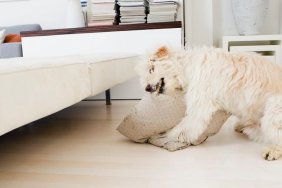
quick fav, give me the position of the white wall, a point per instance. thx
(50, 14)
(208, 20)
(198, 22)
(225, 23)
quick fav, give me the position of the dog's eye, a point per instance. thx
(151, 70)
(151, 65)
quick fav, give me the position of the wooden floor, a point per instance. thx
(79, 147)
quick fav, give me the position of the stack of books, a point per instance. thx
(101, 12)
(130, 11)
(162, 11)
(84, 10)
(83, 3)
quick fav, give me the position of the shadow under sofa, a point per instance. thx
(32, 88)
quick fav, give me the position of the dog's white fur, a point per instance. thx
(244, 85)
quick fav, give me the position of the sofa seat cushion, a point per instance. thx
(154, 114)
(34, 88)
(111, 71)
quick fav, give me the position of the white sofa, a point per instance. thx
(32, 88)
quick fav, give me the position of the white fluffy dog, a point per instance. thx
(245, 85)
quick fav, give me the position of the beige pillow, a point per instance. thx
(2, 36)
(157, 114)
(154, 114)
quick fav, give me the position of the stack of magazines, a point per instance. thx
(130, 12)
(162, 11)
(101, 12)
(83, 3)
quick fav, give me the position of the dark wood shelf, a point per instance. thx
(104, 28)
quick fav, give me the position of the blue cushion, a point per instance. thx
(16, 29)
(9, 50)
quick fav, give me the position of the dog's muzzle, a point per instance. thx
(159, 87)
(149, 88)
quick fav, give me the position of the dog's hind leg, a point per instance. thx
(248, 128)
(271, 128)
(190, 131)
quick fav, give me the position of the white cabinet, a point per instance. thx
(267, 45)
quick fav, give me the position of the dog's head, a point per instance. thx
(160, 74)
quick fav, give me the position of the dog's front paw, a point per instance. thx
(272, 153)
(175, 145)
(200, 140)
(168, 143)
(158, 140)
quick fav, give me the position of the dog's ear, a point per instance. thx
(161, 53)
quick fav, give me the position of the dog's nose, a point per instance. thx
(149, 88)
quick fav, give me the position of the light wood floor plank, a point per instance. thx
(80, 147)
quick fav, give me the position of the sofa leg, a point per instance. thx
(108, 97)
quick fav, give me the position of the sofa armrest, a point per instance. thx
(9, 50)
